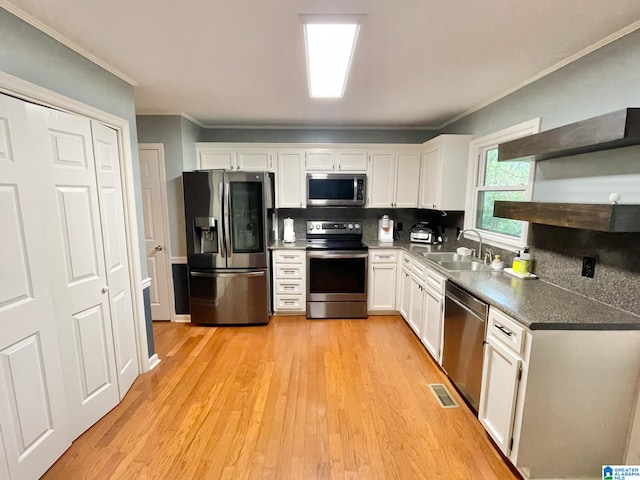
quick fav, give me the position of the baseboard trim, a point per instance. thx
(182, 318)
(154, 361)
(382, 312)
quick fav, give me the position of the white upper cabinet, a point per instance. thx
(407, 180)
(291, 191)
(336, 160)
(210, 158)
(320, 159)
(248, 159)
(443, 179)
(393, 179)
(351, 160)
(255, 160)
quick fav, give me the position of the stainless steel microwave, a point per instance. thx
(336, 189)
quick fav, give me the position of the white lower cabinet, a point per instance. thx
(289, 285)
(432, 329)
(417, 306)
(413, 293)
(383, 273)
(499, 390)
(559, 403)
(405, 294)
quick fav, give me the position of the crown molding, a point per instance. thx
(65, 41)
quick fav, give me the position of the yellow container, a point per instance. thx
(522, 267)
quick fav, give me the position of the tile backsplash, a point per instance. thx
(369, 217)
(557, 255)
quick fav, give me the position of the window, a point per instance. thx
(491, 180)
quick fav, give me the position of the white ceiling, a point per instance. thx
(418, 63)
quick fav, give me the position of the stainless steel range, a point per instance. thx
(336, 270)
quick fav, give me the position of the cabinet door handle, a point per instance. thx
(508, 333)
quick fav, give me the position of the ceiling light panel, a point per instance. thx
(330, 43)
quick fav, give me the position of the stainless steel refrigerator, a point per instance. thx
(228, 218)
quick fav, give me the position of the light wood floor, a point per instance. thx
(297, 399)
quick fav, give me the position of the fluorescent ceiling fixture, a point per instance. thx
(330, 43)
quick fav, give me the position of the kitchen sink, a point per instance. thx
(468, 265)
(445, 256)
(455, 262)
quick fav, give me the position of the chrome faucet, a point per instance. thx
(479, 238)
(488, 256)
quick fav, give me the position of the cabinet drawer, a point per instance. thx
(406, 262)
(506, 330)
(289, 286)
(419, 270)
(435, 281)
(289, 256)
(290, 302)
(288, 271)
(383, 256)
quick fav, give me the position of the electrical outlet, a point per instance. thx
(588, 267)
(399, 227)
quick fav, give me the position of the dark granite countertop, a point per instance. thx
(535, 303)
(297, 245)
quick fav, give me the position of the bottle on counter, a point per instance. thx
(524, 262)
(497, 263)
(516, 263)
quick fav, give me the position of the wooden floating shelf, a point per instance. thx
(587, 216)
(613, 130)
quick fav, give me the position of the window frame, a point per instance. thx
(475, 183)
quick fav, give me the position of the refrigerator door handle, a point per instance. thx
(227, 275)
(221, 234)
(227, 217)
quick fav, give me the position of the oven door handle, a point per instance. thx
(336, 255)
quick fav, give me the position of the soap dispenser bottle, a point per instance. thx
(497, 263)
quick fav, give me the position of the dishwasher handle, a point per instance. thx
(465, 299)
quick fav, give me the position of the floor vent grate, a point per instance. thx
(443, 396)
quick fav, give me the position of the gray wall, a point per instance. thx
(310, 135)
(191, 133)
(603, 81)
(167, 130)
(29, 54)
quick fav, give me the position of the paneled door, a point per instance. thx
(70, 214)
(107, 157)
(155, 229)
(33, 415)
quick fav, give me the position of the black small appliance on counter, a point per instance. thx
(424, 232)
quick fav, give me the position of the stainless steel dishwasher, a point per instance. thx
(465, 319)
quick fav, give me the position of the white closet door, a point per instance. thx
(33, 416)
(71, 216)
(107, 156)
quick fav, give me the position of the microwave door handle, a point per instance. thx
(227, 216)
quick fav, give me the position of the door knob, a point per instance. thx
(158, 248)
(104, 289)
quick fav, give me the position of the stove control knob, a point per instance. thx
(318, 226)
(350, 226)
(357, 226)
